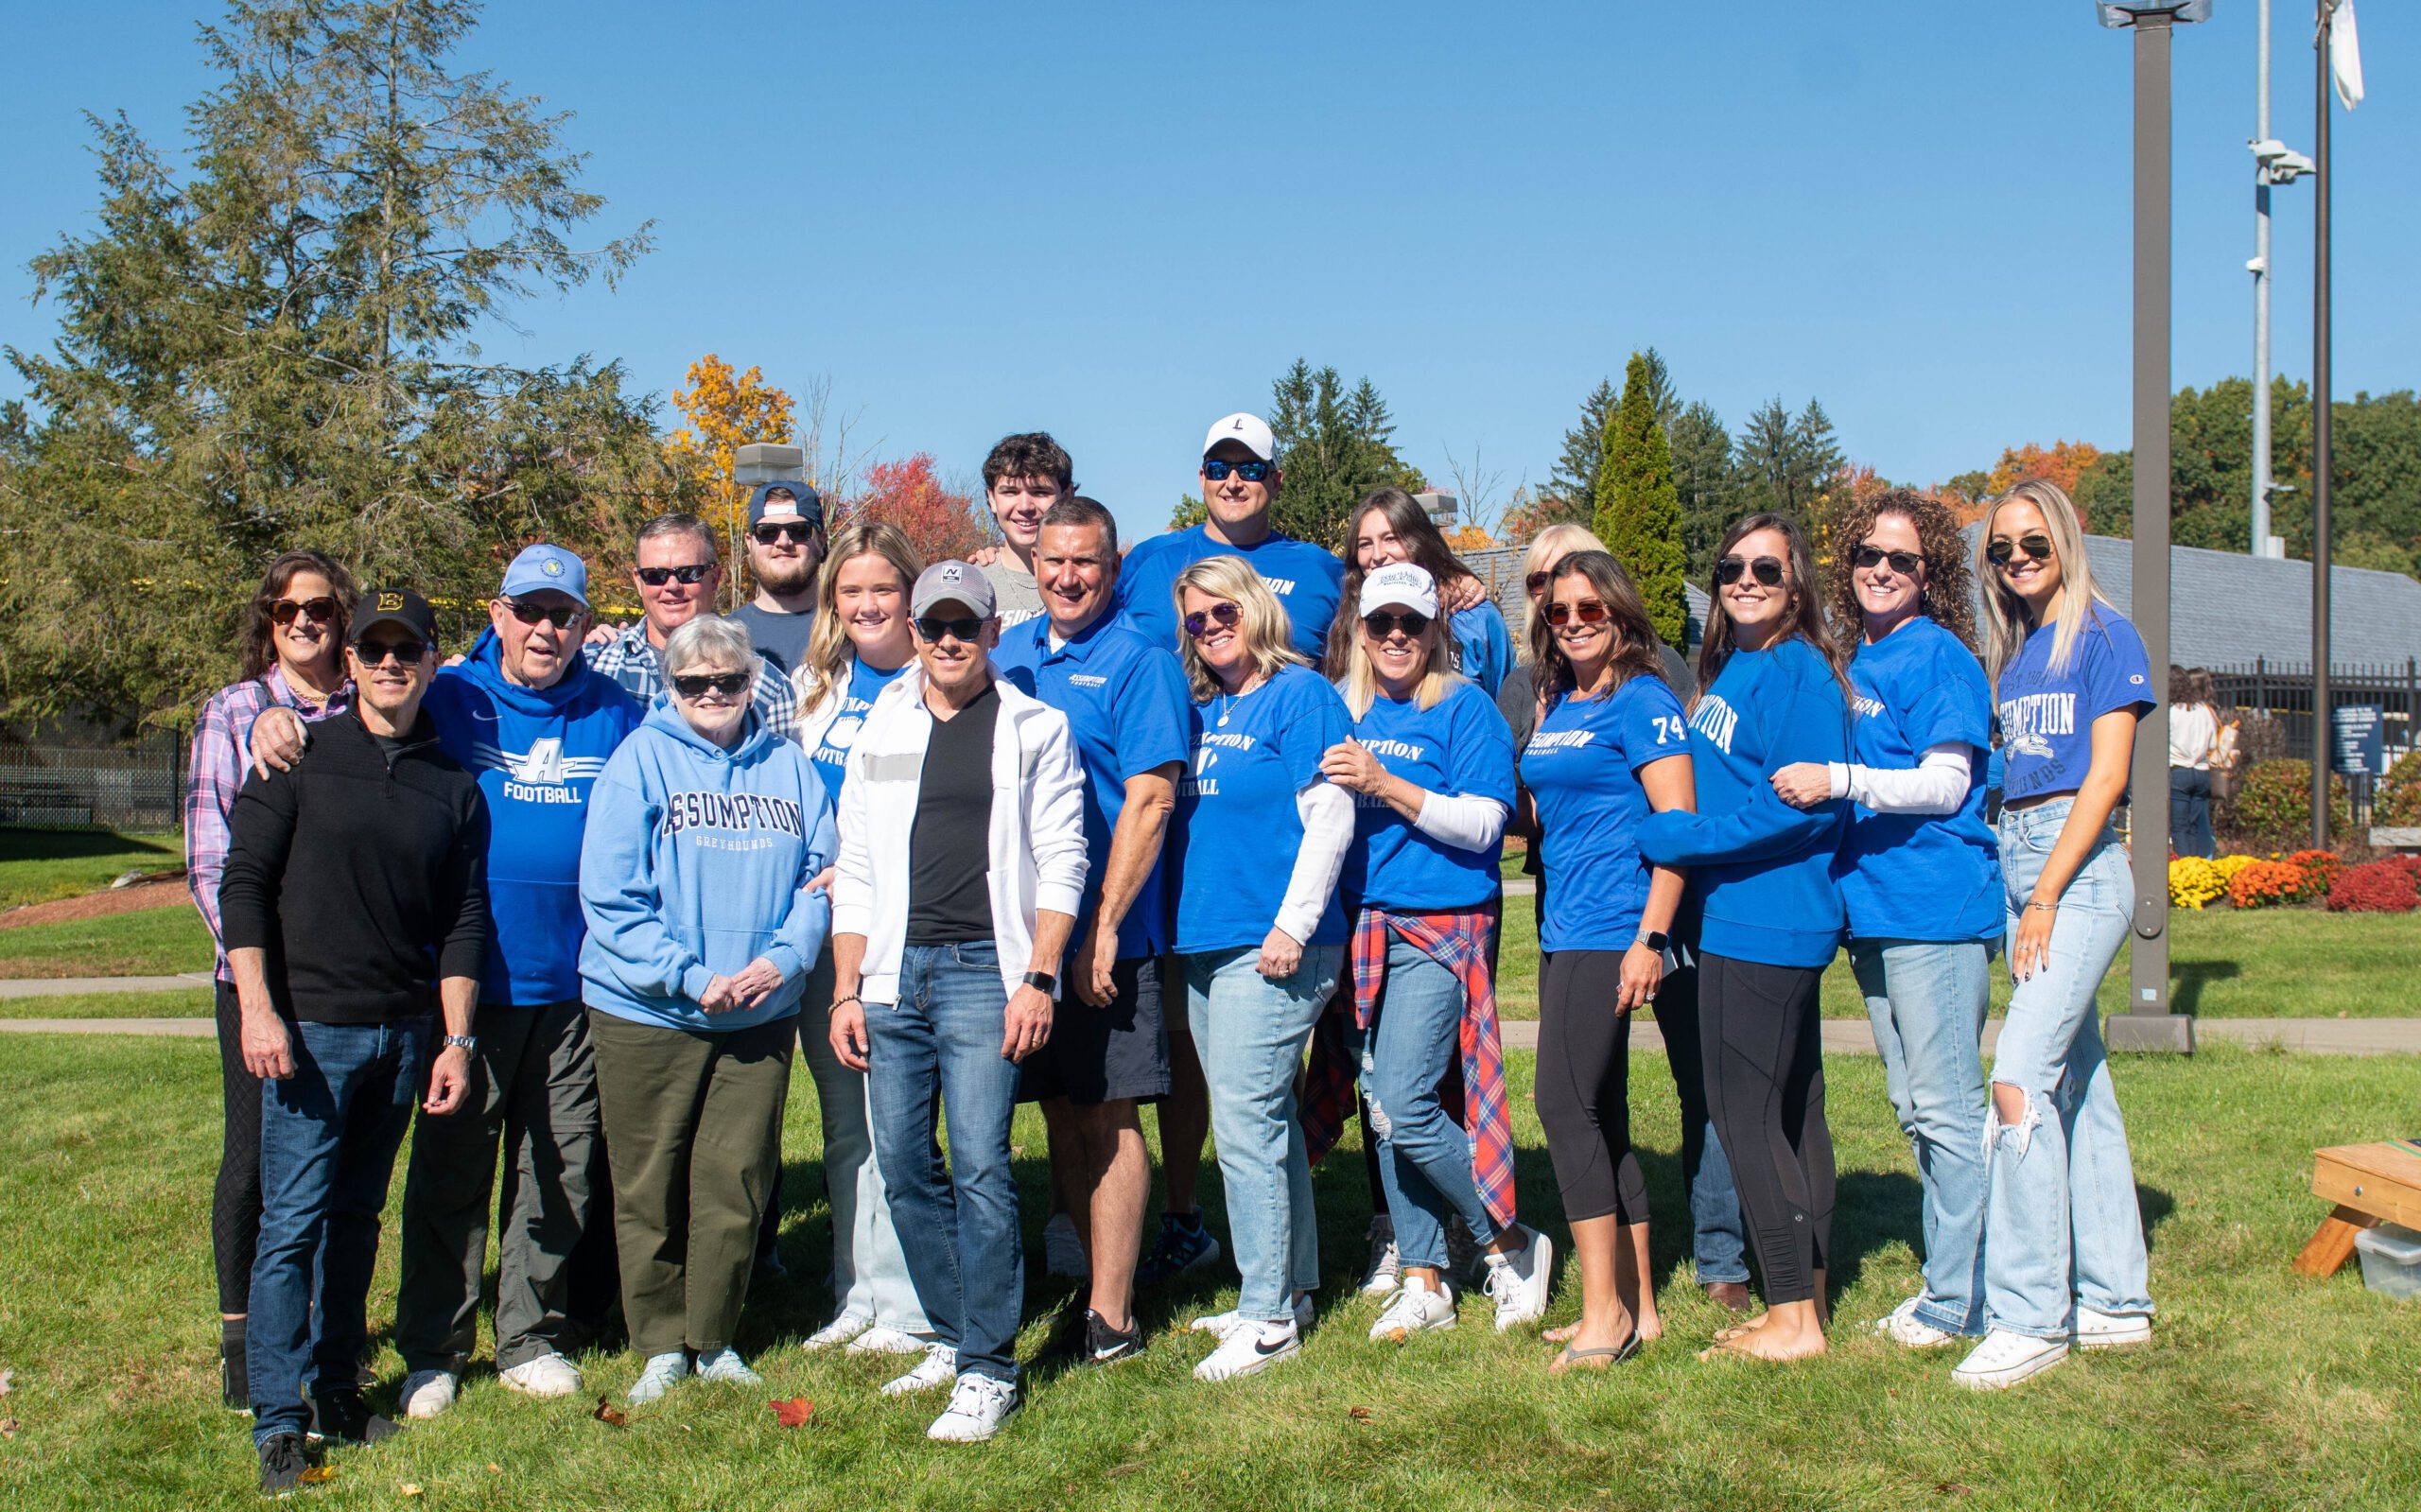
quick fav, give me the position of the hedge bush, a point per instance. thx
(2398, 798)
(2272, 808)
(2391, 886)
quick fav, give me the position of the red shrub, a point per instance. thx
(2392, 886)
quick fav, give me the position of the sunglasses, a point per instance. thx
(1536, 584)
(694, 685)
(1999, 552)
(796, 531)
(1226, 616)
(1903, 563)
(1382, 624)
(1216, 470)
(1768, 570)
(531, 613)
(318, 611)
(1588, 611)
(658, 577)
(373, 652)
(933, 628)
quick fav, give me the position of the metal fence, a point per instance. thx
(2284, 691)
(61, 787)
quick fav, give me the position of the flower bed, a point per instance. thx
(2390, 886)
(2303, 877)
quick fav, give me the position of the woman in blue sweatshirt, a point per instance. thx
(706, 835)
(1769, 916)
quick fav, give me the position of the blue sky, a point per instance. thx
(1119, 221)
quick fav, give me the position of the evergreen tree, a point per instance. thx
(1333, 447)
(1638, 510)
(1702, 476)
(1574, 478)
(1784, 462)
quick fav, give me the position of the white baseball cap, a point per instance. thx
(1400, 583)
(1250, 430)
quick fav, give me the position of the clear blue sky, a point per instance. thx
(1119, 221)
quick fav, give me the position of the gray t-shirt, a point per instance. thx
(1013, 591)
(780, 638)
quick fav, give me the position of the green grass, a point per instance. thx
(2261, 1390)
(37, 865)
(195, 1004)
(147, 942)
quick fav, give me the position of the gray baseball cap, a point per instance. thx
(953, 582)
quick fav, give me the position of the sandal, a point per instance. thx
(1614, 1356)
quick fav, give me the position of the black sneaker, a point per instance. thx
(282, 1462)
(344, 1417)
(1183, 1245)
(1103, 1344)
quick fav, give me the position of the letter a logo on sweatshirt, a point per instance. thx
(545, 762)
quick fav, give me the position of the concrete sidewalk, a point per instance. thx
(82, 987)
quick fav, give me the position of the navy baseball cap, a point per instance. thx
(544, 567)
(805, 503)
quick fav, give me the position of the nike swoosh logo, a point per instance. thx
(1264, 1348)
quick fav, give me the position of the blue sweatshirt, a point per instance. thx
(1761, 870)
(697, 864)
(537, 753)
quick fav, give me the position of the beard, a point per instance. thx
(787, 576)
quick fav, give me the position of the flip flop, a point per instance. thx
(1614, 1356)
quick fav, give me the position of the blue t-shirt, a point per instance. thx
(1306, 581)
(2047, 718)
(1920, 877)
(1127, 705)
(1582, 768)
(1237, 830)
(1460, 747)
(831, 754)
(1484, 648)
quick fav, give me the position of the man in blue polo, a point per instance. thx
(1125, 702)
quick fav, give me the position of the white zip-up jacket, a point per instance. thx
(1035, 844)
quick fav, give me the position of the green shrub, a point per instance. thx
(2398, 798)
(2272, 809)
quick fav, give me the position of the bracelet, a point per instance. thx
(838, 1001)
(2048, 908)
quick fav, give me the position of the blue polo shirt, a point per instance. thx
(1460, 747)
(1127, 705)
(1306, 581)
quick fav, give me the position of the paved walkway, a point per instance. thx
(82, 987)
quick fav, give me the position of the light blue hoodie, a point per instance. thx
(697, 863)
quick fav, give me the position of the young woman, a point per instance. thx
(1919, 871)
(2070, 678)
(1388, 527)
(1431, 764)
(2193, 750)
(293, 657)
(1258, 944)
(859, 645)
(1769, 914)
(1613, 748)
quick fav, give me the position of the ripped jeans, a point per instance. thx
(2062, 1221)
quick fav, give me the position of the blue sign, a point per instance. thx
(2356, 744)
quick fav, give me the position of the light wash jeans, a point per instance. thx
(1424, 1156)
(1926, 1000)
(1251, 1033)
(869, 1271)
(2063, 1222)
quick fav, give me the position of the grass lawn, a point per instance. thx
(37, 865)
(2261, 1389)
(195, 1004)
(149, 942)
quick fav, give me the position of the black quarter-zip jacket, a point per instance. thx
(362, 874)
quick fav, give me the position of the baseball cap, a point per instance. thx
(1250, 430)
(542, 566)
(805, 503)
(394, 606)
(953, 582)
(1400, 583)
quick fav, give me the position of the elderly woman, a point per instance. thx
(706, 835)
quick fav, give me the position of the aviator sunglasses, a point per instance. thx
(1216, 470)
(1223, 614)
(1903, 563)
(1588, 611)
(1768, 570)
(1999, 552)
(694, 685)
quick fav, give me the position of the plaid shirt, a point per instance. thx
(628, 659)
(219, 764)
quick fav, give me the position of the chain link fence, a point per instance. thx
(64, 787)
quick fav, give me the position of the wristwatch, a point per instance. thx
(460, 1042)
(1655, 938)
(1041, 982)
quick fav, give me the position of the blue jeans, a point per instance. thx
(869, 1269)
(936, 1049)
(329, 1135)
(1424, 1156)
(2063, 1219)
(1719, 1235)
(1251, 1033)
(2189, 812)
(1926, 1000)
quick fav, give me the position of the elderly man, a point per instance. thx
(785, 552)
(677, 574)
(961, 872)
(353, 903)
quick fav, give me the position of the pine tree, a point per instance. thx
(1638, 509)
(1333, 447)
(1702, 475)
(1574, 479)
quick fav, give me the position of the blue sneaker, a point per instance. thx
(1183, 1245)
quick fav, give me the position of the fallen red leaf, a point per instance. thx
(7, 1428)
(794, 1412)
(611, 1416)
(1360, 1415)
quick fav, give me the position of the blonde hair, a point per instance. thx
(2006, 623)
(1262, 623)
(1551, 545)
(828, 649)
(1436, 670)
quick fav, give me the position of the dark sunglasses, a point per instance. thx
(933, 628)
(407, 652)
(1768, 570)
(1217, 470)
(1536, 584)
(1590, 611)
(1903, 563)
(798, 532)
(1999, 552)
(658, 577)
(1224, 615)
(529, 614)
(318, 611)
(1381, 624)
(694, 685)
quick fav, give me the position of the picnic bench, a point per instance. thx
(2367, 1184)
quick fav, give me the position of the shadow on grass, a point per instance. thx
(2192, 976)
(71, 845)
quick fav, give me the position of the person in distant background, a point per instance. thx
(2193, 742)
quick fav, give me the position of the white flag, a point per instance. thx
(2345, 56)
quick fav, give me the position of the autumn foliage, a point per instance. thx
(939, 523)
(725, 411)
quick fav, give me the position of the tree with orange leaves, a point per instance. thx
(2064, 463)
(939, 523)
(725, 411)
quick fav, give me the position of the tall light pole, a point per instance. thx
(2151, 1022)
(2323, 744)
(2273, 164)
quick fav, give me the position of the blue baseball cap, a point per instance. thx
(547, 567)
(804, 503)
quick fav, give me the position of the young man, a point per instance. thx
(961, 872)
(1025, 474)
(785, 550)
(1126, 701)
(677, 574)
(354, 902)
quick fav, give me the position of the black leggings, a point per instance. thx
(235, 1201)
(1584, 1085)
(1763, 1039)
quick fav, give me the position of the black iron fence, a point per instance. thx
(2284, 691)
(65, 787)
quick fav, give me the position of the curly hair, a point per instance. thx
(1949, 593)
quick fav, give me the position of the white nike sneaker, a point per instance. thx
(884, 1339)
(1902, 1325)
(662, 1373)
(840, 1330)
(1385, 1272)
(1251, 1349)
(549, 1375)
(1222, 1324)
(426, 1393)
(938, 1368)
(1415, 1307)
(1518, 1281)
(978, 1406)
(2004, 1359)
(2110, 1330)
(1063, 1253)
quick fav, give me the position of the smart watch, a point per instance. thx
(1655, 938)
(1041, 982)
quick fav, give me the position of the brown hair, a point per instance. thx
(1637, 651)
(1805, 615)
(1426, 547)
(260, 649)
(1947, 599)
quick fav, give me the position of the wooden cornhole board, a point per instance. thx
(2369, 1184)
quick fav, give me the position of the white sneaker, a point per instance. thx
(2004, 1359)
(884, 1339)
(726, 1365)
(1902, 1325)
(2110, 1330)
(1063, 1253)
(938, 1368)
(840, 1330)
(1251, 1349)
(1518, 1281)
(1414, 1308)
(549, 1375)
(662, 1373)
(1224, 1323)
(978, 1406)
(426, 1393)
(1385, 1272)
